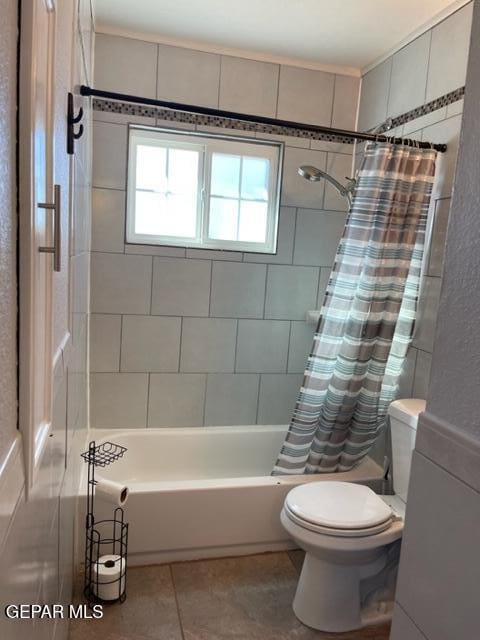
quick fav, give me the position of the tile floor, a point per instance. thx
(246, 598)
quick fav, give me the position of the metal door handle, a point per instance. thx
(57, 233)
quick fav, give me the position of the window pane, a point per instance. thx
(160, 215)
(253, 221)
(151, 168)
(255, 178)
(183, 171)
(222, 224)
(182, 216)
(149, 209)
(225, 175)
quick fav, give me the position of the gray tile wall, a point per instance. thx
(191, 337)
(426, 68)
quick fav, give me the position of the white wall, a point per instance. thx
(425, 69)
(437, 595)
(37, 535)
(8, 222)
(227, 344)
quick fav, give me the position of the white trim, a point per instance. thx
(426, 26)
(248, 54)
(205, 145)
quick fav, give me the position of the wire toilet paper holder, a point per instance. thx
(104, 537)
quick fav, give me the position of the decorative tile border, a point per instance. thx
(428, 107)
(170, 115)
(127, 108)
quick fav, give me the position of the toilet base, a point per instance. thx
(329, 594)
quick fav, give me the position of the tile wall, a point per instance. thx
(427, 68)
(192, 337)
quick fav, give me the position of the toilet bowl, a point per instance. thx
(351, 537)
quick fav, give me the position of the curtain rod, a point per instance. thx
(220, 113)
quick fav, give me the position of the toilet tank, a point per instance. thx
(403, 426)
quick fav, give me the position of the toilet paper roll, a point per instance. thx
(111, 491)
(106, 577)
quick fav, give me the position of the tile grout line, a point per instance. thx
(157, 73)
(410, 618)
(147, 413)
(263, 264)
(236, 347)
(332, 110)
(318, 302)
(257, 412)
(429, 59)
(414, 373)
(265, 289)
(175, 595)
(120, 346)
(151, 285)
(294, 239)
(210, 289)
(180, 345)
(430, 353)
(233, 318)
(289, 344)
(219, 80)
(206, 376)
(279, 66)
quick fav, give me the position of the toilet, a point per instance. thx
(351, 537)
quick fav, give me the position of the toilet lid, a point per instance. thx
(339, 505)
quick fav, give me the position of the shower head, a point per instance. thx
(313, 174)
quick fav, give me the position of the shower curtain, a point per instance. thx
(368, 315)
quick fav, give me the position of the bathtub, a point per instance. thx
(206, 491)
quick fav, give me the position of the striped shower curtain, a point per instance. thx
(368, 315)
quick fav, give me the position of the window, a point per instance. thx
(204, 191)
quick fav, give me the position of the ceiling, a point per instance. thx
(345, 35)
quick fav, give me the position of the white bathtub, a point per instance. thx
(206, 491)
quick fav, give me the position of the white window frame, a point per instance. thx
(207, 145)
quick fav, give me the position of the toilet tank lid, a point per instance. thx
(407, 410)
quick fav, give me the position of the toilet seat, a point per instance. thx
(342, 533)
(338, 509)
